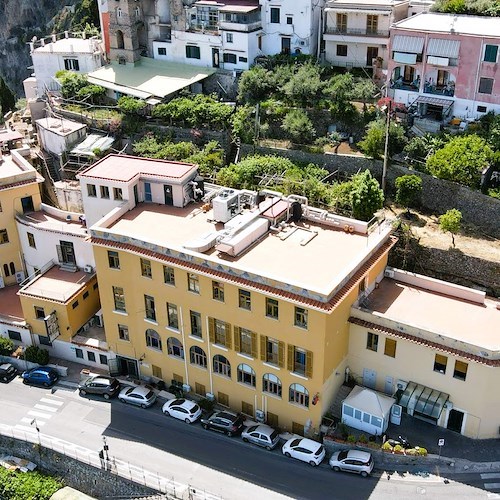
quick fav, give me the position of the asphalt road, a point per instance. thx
(147, 438)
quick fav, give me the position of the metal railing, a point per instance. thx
(137, 474)
(356, 32)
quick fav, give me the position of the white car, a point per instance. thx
(304, 449)
(140, 396)
(261, 435)
(360, 462)
(182, 409)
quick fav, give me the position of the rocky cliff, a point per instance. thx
(20, 21)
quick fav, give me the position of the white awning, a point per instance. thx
(403, 43)
(435, 101)
(438, 61)
(122, 89)
(443, 48)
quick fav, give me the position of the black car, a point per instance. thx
(224, 421)
(100, 384)
(7, 372)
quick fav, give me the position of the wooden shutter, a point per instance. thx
(228, 335)
(255, 351)
(263, 341)
(211, 330)
(281, 354)
(309, 364)
(291, 352)
(237, 344)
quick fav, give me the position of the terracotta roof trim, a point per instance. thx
(417, 340)
(20, 183)
(311, 303)
(47, 230)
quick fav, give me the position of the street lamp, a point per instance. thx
(105, 448)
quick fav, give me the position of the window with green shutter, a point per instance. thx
(490, 53)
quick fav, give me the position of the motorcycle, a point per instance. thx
(401, 441)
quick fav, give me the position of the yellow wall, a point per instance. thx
(477, 396)
(10, 201)
(70, 320)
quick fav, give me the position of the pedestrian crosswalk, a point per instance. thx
(41, 413)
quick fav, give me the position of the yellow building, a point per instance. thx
(227, 295)
(19, 193)
(436, 345)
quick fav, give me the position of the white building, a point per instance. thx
(52, 55)
(57, 135)
(357, 32)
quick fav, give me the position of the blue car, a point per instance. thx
(41, 376)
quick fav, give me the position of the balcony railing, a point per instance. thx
(428, 89)
(356, 32)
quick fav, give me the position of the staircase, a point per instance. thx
(417, 131)
(336, 408)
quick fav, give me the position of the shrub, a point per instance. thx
(408, 189)
(27, 485)
(398, 448)
(351, 438)
(387, 446)
(130, 105)
(343, 430)
(298, 126)
(6, 346)
(206, 404)
(451, 222)
(366, 196)
(363, 439)
(37, 355)
(422, 452)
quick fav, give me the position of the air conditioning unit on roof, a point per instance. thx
(401, 385)
(389, 273)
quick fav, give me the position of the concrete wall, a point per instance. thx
(438, 195)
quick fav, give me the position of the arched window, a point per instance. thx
(120, 44)
(12, 268)
(174, 347)
(299, 395)
(271, 384)
(246, 374)
(6, 270)
(137, 12)
(118, 12)
(222, 365)
(153, 339)
(197, 356)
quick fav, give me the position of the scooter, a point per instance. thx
(401, 441)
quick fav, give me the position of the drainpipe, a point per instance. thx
(476, 82)
(209, 360)
(183, 345)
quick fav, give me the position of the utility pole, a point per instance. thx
(386, 146)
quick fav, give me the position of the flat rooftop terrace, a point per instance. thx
(45, 221)
(56, 285)
(10, 304)
(306, 255)
(457, 319)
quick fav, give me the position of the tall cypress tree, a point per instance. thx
(7, 98)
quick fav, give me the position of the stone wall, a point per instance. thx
(438, 195)
(95, 482)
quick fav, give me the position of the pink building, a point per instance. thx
(443, 66)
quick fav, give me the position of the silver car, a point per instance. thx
(359, 462)
(261, 435)
(139, 396)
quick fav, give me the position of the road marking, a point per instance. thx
(492, 486)
(40, 414)
(492, 495)
(45, 408)
(51, 401)
(27, 420)
(490, 475)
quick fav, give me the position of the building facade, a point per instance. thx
(356, 34)
(190, 294)
(443, 66)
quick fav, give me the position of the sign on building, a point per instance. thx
(52, 326)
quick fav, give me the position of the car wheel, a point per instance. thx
(25, 381)
(205, 426)
(82, 392)
(187, 420)
(364, 474)
(335, 468)
(229, 434)
(313, 463)
(245, 439)
(268, 448)
(46, 384)
(122, 400)
(167, 413)
(143, 405)
(106, 396)
(5, 379)
(288, 455)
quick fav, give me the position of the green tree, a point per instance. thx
(366, 196)
(363, 91)
(71, 83)
(298, 126)
(373, 144)
(408, 190)
(461, 160)
(6, 346)
(131, 105)
(470, 7)
(255, 85)
(7, 98)
(304, 86)
(450, 222)
(93, 93)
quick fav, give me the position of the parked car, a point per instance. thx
(224, 421)
(304, 449)
(360, 462)
(183, 409)
(139, 396)
(41, 376)
(99, 384)
(261, 435)
(7, 372)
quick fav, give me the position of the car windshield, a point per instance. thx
(295, 443)
(342, 455)
(251, 429)
(150, 394)
(320, 451)
(178, 402)
(274, 435)
(129, 390)
(194, 409)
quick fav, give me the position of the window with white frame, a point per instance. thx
(153, 339)
(222, 366)
(175, 347)
(271, 384)
(299, 394)
(246, 374)
(197, 356)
